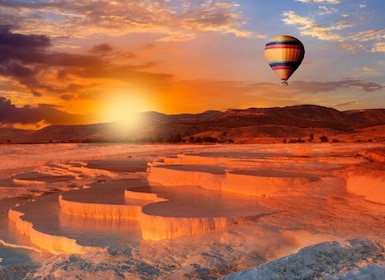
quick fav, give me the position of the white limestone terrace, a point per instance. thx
(51, 229)
(276, 201)
(156, 213)
(185, 195)
(251, 174)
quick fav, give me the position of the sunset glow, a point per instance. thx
(124, 109)
(86, 62)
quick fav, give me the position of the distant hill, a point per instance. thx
(250, 125)
(12, 134)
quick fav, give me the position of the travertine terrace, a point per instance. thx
(190, 194)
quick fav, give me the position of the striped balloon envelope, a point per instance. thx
(284, 54)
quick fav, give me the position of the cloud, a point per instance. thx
(309, 27)
(219, 17)
(352, 47)
(21, 41)
(18, 47)
(318, 87)
(327, 11)
(346, 104)
(369, 40)
(362, 40)
(26, 59)
(174, 20)
(368, 35)
(102, 48)
(43, 113)
(379, 47)
(320, 1)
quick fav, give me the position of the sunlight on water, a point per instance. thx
(99, 232)
(86, 231)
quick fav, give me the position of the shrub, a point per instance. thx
(324, 139)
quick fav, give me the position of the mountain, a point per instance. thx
(8, 134)
(299, 116)
(363, 118)
(234, 125)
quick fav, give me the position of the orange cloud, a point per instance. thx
(173, 20)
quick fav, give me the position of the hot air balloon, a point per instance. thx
(284, 54)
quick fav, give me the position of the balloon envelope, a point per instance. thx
(284, 54)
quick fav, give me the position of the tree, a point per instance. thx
(323, 139)
(311, 137)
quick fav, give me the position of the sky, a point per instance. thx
(84, 61)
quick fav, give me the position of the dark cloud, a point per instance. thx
(106, 50)
(102, 48)
(19, 49)
(366, 86)
(346, 104)
(66, 97)
(18, 52)
(22, 41)
(25, 57)
(13, 68)
(71, 60)
(317, 87)
(10, 114)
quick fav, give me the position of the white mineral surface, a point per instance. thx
(122, 211)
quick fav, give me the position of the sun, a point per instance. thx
(125, 109)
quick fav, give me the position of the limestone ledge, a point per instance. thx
(260, 182)
(153, 227)
(160, 227)
(150, 197)
(255, 185)
(167, 176)
(368, 183)
(52, 243)
(277, 162)
(98, 210)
